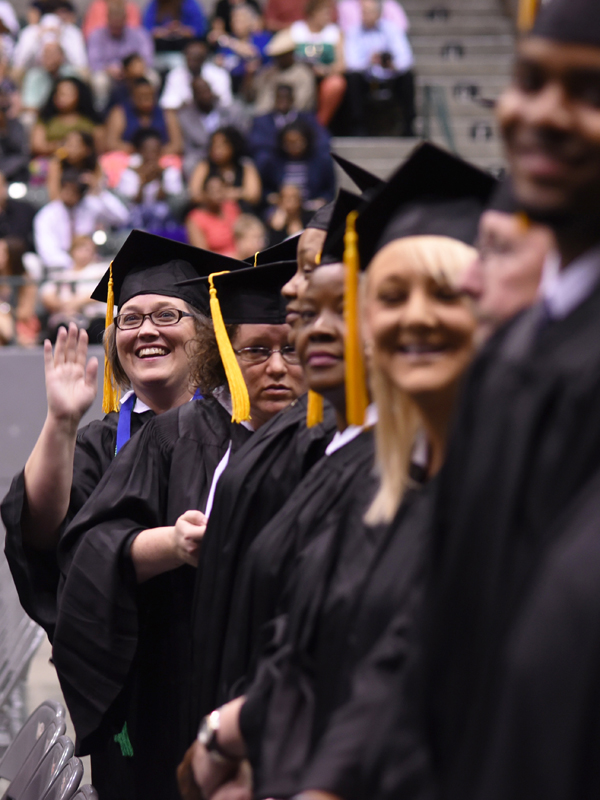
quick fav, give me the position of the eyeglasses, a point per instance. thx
(258, 355)
(161, 318)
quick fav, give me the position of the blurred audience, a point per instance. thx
(18, 320)
(132, 68)
(81, 208)
(211, 226)
(297, 162)
(227, 159)
(201, 118)
(250, 236)
(16, 217)
(173, 24)
(242, 52)
(319, 43)
(67, 298)
(378, 50)
(287, 216)
(280, 14)
(262, 139)
(285, 69)
(140, 112)
(78, 154)
(69, 108)
(178, 85)
(39, 80)
(14, 145)
(221, 21)
(148, 186)
(50, 28)
(96, 16)
(349, 14)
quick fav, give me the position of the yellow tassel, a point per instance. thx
(356, 384)
(314, 411)
(524, 222)
(256, 257)
(527, 14)
(240, 400)
(110, 395)
(318, 258)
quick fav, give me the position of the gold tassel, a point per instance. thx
(526, 15)
(110, 395)
(256, 257)
(314, 411)
(523, 221)
(318, 258)
(240, 400)
(356, 384)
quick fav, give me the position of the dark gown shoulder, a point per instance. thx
(255, 485)
(36, 572)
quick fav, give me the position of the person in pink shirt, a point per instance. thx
(97, 16)
(211, 227)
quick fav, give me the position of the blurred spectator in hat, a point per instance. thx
(242, 52)
(14, 145)
(78, 153)
(227, 159)
(287, 216)
(69, 108)
(201, 118)
(178, 85)
(262, 139)
(147, 186)
(109, 45)
(221, 21)
(211, 226)
(50, 28)
(96, 16)
(280, 14)
(298, 163)
(142, 111)
(39, 80)
(80, 210)
(16, 217)
(250, 236)
(173, 24)
(378, 49)
(18, 320)
(319, 43)
(349, 14)
(68, 298)
(286, 69)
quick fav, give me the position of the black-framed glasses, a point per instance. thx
(258, 355)
(162, 318)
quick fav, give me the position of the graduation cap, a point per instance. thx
(362, 178)
(321, 219)
(149, 264)
(284, 251)
(246, 296)
(333, 247)
(569, 21)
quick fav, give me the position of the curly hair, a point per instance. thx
(85, 103)
(207, 371)
(235, 139)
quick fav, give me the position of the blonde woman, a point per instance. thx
(306, 720)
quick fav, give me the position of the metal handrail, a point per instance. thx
(435, 104)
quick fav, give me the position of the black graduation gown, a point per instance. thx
(123, 650)
(305, 727)
(256, 483)
(36, 572)
(527, 440)
(546, 737)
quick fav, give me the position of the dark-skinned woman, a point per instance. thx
(122, 641)
(68, 462)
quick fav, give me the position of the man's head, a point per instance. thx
(116, 19)
(72, 189)
(505, 277)
(53, 57)
(148, 144)
(284, 98)
(550, 115)
(370, 12)
(203, 95)
(142, 96)
(134, 67)
(196, 53)
(281, 48)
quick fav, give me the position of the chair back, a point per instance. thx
(51, 764)
(16, 755)
(65, 783)
(34, 759)
(86, 792)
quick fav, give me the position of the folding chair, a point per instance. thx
(52, 763)
(86, 792)
(51, 734)
(64, 784)
(16, 755)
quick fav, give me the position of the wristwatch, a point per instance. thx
(207, 736)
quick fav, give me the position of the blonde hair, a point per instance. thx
(399, 420)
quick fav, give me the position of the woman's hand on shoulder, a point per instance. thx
(188, 533)
(71, 383)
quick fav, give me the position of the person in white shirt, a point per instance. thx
(49, 29)
(79, 211)
(378, 49)
(178, 85)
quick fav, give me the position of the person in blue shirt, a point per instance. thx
(243, 52)
(172, 23)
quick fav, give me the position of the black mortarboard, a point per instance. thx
(569, 21)
(321, 219)
(333, 248)
(284, 251)
(434, 193)
(362, 178)
(149, 264)
(253, 296)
